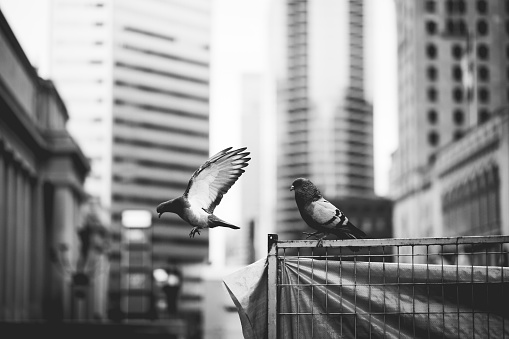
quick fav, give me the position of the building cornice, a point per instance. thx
(60, 143)
(17, 119)
(479, 141)
(11, 38)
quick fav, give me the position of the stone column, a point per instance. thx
(26, 239)
(3, 232)
(10, 224)
(63, 237)
(39, 259)
(504, 175)
(19, 253)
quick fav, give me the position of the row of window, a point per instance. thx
(459, 94)
(458, 116)
(162, 73)
(457, 52)
(459, 119)
(483, 73)
(434, 137)
(458, 27)
(460, 6)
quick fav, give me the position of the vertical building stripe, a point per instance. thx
(3, 232)
(19, 251)
(9, 278)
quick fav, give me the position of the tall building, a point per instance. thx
(80, 64)
(135, 76)
(452, 77)
(326, 122)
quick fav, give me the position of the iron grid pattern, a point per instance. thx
(433, 271)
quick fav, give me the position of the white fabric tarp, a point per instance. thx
(248, 289)
(347, 299)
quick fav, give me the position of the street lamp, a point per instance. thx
(169, 279)
(135, 264)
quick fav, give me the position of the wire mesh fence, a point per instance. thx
(389, 288)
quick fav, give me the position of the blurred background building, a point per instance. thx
(136, 78)
(449, 173)
(51, 262)
(325, 117)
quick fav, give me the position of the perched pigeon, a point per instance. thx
(206, 188)
(321, 215)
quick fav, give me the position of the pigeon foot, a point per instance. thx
(194, 231)
(308, 235)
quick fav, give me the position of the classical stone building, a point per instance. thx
(464, 188)
(449, 172)
(42, 171)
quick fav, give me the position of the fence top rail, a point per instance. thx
(469, 240)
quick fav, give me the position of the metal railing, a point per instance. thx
(429, 287)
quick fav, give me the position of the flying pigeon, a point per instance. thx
(321, 215)
(206, 188)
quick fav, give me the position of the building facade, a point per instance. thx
(450, 83)
(472, 178)
(136, 78)
(326, 121)
(42, 173)
(464, 191)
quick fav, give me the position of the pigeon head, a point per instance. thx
(168, 206)
(305, 190)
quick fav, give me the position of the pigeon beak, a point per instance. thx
(160, 214)
(292, 188)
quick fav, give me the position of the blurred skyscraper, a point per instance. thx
(135, 77)
(326, 122)
(453, 77)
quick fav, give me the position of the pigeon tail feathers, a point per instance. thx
(215, 221)
(355, 232)
(349, 231)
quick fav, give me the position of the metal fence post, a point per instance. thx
(272, 287)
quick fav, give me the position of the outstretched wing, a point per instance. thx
(214, 178)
